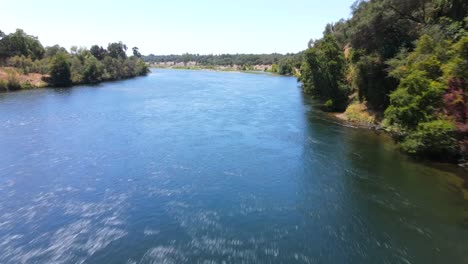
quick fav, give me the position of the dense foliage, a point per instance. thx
(60, 74)
(324, 72)
(64, 68)
(20, 44)
(404, 58)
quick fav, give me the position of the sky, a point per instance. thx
(176, 26)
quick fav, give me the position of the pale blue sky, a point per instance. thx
(176, 26)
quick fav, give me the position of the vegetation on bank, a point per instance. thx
(406, 59)
(22, 55)
(276, 63)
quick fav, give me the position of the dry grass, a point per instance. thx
(31, 80)
(358, 113)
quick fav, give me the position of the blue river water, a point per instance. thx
(213, 167)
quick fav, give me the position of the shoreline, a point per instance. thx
(378, 128)
(33, 81)
(215, 69)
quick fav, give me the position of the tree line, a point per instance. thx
(64, 68)
(282, 64)
(407, 59)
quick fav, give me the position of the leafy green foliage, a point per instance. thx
(92, 70)
(54, 50)
(285, 67)
(98, 52)
(117, 50)
(60, 74)
(429, 106)
(81, 65)
(416, 100)
(372, 82)
(323, 72)
(20, 44)
(136, 52)
(434, 139)
(407, 58)
(274, 67)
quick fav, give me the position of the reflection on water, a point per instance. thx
(195, 167)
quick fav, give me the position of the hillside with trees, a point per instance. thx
(26, 63)
(405, 61)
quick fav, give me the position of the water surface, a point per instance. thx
(210, 167)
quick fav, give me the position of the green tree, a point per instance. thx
(285, 67)
(117, 50)
(98, 52)
(19, 43)
(60, 74)
(274, 68)
(136, 52)
(323, 73)
(92, 70)
(54, 50)
(415, 101)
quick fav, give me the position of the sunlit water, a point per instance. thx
(210, 167)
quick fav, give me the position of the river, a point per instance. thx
(213, 167)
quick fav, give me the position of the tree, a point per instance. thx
(60, 74)
(93, 70)
(415, 101)
(323, 73)
(19, 43)
(285, 67)
(117, 50)
(98, 52)
(136, 53)
(54, 50)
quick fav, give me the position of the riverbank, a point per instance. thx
(12, 79)
(193, 65)
(255, 70)
(359, 115)
(215, 69)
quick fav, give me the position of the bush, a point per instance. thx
(323, 73)
(3, 85)
(274, 68)
(285, 67)
(416, 100)
(60, 71)
(93, 70)
(21, 62)
(13, 82)
(329, 105)
(435, 139)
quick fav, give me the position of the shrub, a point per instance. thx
(274, 68)
(60, 71)
(415, 101)
(3, 85)
(329, 105)
(434, 139)
(13, 82)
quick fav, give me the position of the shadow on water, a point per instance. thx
(396, 206)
